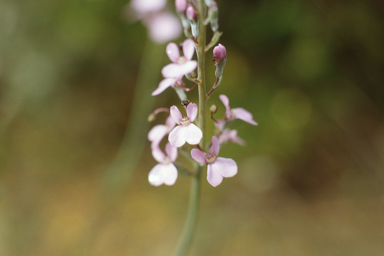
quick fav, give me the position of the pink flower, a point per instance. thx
(145, 7)
(186, 131)
(230, 135)
(218, 167)
(236, 113)
(158, 132)
(181, 64)
(164, 172)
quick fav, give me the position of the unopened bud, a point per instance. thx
(213, 13)
(191, 14)
(208, 2)
(213, 108)
(220, 57)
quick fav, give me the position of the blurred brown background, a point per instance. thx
(310, 178)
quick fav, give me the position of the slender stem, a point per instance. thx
(189, 227)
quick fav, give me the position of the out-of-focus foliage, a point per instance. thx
(310, 178)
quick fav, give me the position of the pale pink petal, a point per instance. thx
(164, 85)
(176, 114)
(169, 173)
(198, 155)
(233, 137)
(244, 115)
(225, 101)
(171, 152)
(188, 48)
(177, 136)
(215, 148)
(214, 178)
(192, 111)
(157, 133)
(163, 27)
(171, 71)
(225, 166)
(170, 123)
(193, 134)
(173, 52)
(154, 176)
(158, 154)
(163, 173)
(187, 67)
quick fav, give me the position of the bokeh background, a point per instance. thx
(310, 178)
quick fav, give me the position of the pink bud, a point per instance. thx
(219, 52)
(191, 14)
(181, 5)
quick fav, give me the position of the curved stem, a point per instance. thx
(189, 227)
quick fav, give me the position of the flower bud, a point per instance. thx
(193, 20)
(181, 5)
(213, 108)
(220, 57)
(213, 13)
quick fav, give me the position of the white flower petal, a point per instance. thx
(171, 71)
(177, 136)
(186, 68)
(154, 176)
(157, 133)
(192, 134)
(169, 174)
(158, 154)
(198, 155)
(225, 166)
(213, 176)
(163, 27)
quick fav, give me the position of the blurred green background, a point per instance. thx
(310, 178)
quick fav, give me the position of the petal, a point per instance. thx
(163, 173)
(158, 154)
(171, 71)
(188, 48)
(154, 176)
(171, 152)
(193, 134)
(233, 137)
(177, 136)
(169, 174)
(187, 67)
(198, 155)
(225, 166)
(244, 115)
(213, 176)
(157, 133)
(225, 101)
(164, 85)
(163, 27)
(173, 52)
(170, 123)
(215, 148)
(192, 111)
(176, 114)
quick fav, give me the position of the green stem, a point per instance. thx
(185, 239)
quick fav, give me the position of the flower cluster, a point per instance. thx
(183, 134)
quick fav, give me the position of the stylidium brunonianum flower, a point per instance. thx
(181, 64)
(236, 113)
(193, 20)
(230, 135)
(164, 172)
(186, 131)
(220, 58)
(217, 167)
